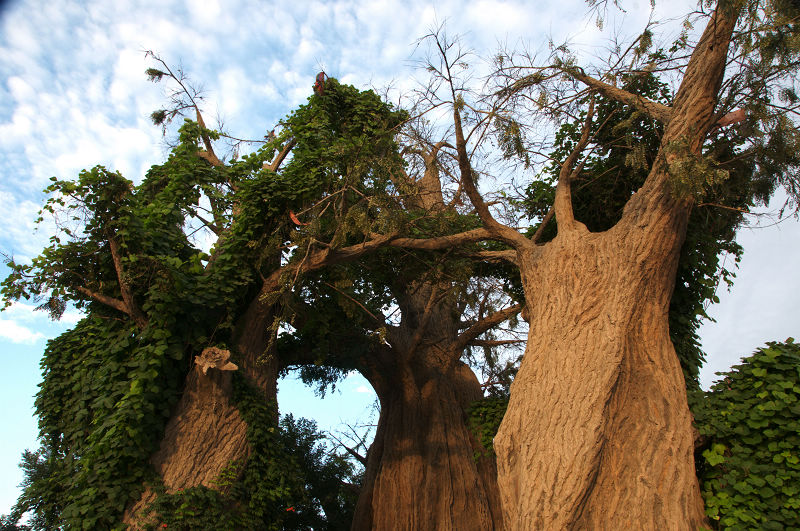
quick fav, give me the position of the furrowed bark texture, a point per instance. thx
(421, 473)
(206, 432)
(598, 432)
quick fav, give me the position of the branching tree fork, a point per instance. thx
(369, 235)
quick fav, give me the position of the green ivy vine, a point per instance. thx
(111, 382)
(277, 488)
(749, 467)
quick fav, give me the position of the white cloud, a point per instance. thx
(71, 317)
(762, 305)
(363, 389)
(23, 323)
(20, 311)
(18, 232)
(17, 333)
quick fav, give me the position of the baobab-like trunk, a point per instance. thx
(206, 432)
(598, 432)
(421, 468)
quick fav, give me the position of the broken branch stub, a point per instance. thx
(217, 358)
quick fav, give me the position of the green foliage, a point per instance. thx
(42, 504)
(485, 416)
(511, 140)
(288, 482)
(102, 405)
(692, 175)
(109, 383)
(750, 464)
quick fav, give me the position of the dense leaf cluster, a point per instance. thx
(110, 383)
(105, 397)
(289, 482)
(750, 464)
(485, 417)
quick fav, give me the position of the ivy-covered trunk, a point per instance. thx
(206, 433)
(422, 468)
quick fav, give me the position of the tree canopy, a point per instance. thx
(360, 236)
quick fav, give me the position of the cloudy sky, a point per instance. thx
(73, 95)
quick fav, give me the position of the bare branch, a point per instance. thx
(210, 157)
(563, 201)
(468, 335)
(319, 258)
(493, 256)
(543, 225)
(441, 242)
(275, 164)
(352, 451)
(214, 228)
(127, 296)
(655, 110)
(500, 231)
(495, 343)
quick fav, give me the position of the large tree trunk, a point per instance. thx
(421, 470)
(206, 432)
(598, 432)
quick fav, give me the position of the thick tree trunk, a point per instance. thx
(421, 470)
(598, 430)
(206, 433)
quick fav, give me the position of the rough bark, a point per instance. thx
(598, 432)
(421, 472)
(206, 432)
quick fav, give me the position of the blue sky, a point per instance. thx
(73, 95)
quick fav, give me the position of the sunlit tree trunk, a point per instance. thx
(598, 432)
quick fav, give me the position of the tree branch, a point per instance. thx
(468, 335)
(493, 256)
(127, 296)
(655, 110)
(543, 225)
(352, 451)
(320, 258)
(215, 229)
(275, 164)
(500, 231)
(441, 242)
(494, 343)
(210, 157)
(104, 299)
(563, 201)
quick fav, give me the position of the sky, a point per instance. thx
(73, 94)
